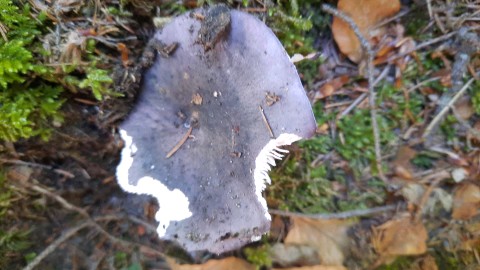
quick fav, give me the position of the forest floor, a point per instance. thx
(406, 196)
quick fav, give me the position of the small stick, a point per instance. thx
(371, 89)
(429, 8)
(180, 143)
(31, 164)
(420, 46)
(54, 245)
(58, 198)
(422, 83)
(341, 215)
(424, 199)
(266, 122)
(445, 109)
(391, 19)
(89, 222)
(72, 231)
(364, 95)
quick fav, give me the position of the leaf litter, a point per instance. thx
(434, 186)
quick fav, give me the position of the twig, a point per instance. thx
(58, 198)
(31, 164)
(445, 109)
(420, 46)
(422, 83)
(77, 209)
(364, 95)
(64, 237)
(180, 143)
(424, 199)
(341, 215)
(54, 245)
(429, 7)
(371, 90)
(391, 19)
(72, 231)
(266, 122)
(90, 222)
(147, 225)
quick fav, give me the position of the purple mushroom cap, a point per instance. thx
(229, 100)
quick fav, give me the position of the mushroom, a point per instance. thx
(208, 125)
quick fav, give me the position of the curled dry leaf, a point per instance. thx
(365, 13)
(330, 87)
(400, 237)
(317, 267)
(230, 263)
(401, 165)
(328, 237)
(466, 202)
(425, 263)
(298, 57)
(464, 108)
(291, 255)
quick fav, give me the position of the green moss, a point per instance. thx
(425, 160)
(98, 80)
(29, 112)
(358, 142)
(308, 71)
(290, 26)
(259, 256)
(396, 105)
(417, 19)
(30, 90)
(399, 264)
(27, 108)
(447, 128)
(475, 93)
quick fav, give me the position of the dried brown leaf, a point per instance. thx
(401, 164)
(230, 263)
(329, 237)
(292, 255)
(365, 13)
(464, 108)
(400, 237)
(425, 263)
(466, 201)
(330, 87)
(317, 267)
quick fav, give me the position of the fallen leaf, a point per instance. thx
(399, 237)
(330, 87)
(464, 108)
(230, 263)
(466, 201)
(401, 164)
(317, 267)
(291, 255)
(328, 237)
(298, 57)
(425, 263)
(365, 13)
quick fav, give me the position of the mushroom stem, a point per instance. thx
(180, 143)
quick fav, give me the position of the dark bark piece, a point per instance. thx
(214, 27)
(209, 190)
